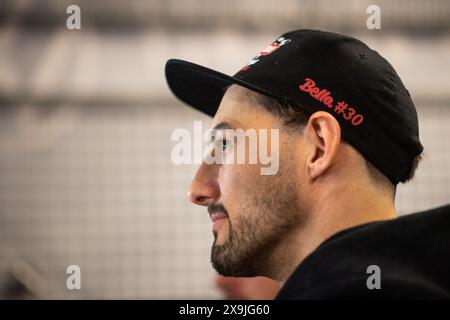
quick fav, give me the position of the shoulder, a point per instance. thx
(409, 254)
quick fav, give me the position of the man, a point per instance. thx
(324, 224)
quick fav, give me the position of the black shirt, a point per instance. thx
(412, 253)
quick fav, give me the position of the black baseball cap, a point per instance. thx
(321, 71)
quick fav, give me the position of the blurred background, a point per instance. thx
(86, 118)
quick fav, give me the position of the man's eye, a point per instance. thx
(224, 144)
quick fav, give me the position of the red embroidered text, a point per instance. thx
(341, 108)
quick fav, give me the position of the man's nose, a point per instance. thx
(204, 189)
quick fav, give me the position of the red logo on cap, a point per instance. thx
(341, 108)
(266, 51)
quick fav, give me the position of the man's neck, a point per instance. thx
(327, 217)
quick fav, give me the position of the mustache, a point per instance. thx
(217, 207)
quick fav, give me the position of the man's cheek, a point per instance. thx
(238, 178)
(232, 181)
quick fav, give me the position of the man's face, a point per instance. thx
(252, 213)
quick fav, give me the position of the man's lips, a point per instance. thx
(218, 219)
(217, 216)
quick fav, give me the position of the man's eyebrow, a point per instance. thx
(222, 125)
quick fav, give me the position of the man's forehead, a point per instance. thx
(236, 89)
(235, 109)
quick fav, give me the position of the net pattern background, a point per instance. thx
(86, 119)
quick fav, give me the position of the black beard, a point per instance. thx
(247, 251)
(267, 216)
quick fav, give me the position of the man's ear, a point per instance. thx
(324, 135)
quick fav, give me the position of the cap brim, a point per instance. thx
(201, 87)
